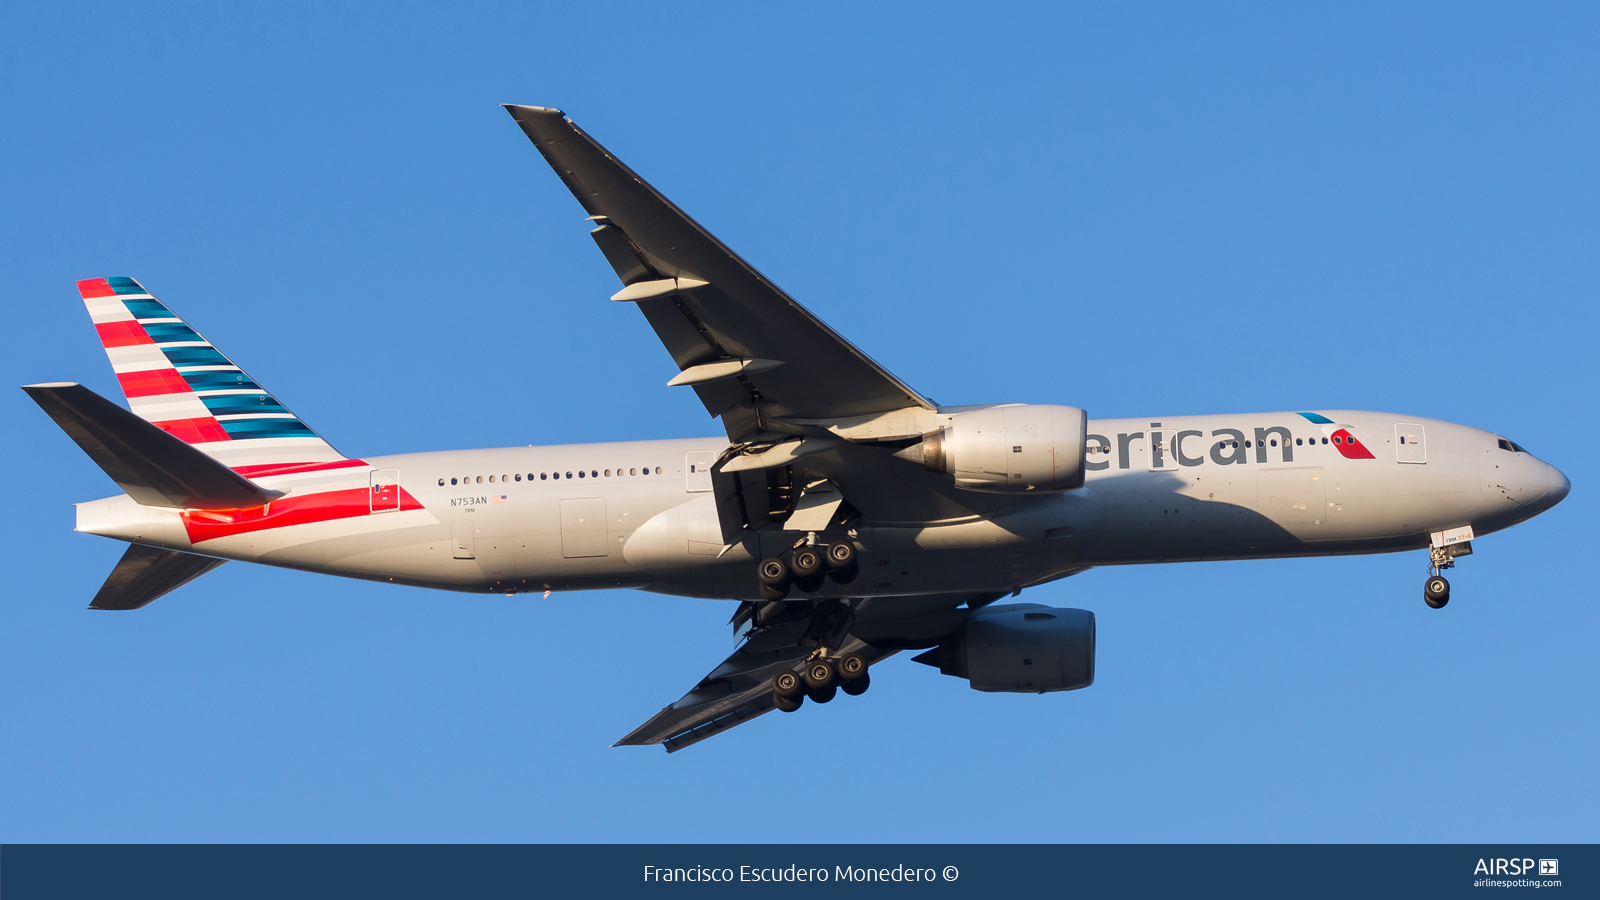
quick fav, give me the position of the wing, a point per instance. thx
(748, 349)
(782, 636)
(735, 692)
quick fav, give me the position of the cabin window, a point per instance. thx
(633, 471)
(658, 470)
(580, 474)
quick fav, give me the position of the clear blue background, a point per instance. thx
(1146, 210)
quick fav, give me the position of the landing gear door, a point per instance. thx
(385, 490)
(1163, 455)
(1410, 443)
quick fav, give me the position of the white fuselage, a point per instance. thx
(631, 514)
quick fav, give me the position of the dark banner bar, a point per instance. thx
(28, 872)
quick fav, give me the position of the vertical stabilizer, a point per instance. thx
(176, 380)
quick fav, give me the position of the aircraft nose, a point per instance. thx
(1560, 486)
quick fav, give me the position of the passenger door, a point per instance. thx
(1410, 443)
(385, 490)
(1163, 455)
(697, 470)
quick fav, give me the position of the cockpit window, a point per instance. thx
(1511, 446)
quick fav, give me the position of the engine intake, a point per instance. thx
(1007, 449)
(1022, 648)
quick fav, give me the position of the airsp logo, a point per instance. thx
(1515, 867)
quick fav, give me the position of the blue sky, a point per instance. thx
(1141, 210)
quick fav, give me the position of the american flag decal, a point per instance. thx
(497, 498)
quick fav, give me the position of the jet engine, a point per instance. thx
(1021, 648)
(1006, 449)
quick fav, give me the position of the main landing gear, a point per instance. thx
(1436, 590)
(808, 564)
(821, 680)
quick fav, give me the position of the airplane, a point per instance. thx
(847, 516)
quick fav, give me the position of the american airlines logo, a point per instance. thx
(1174, 448)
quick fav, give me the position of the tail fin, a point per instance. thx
(176, 380)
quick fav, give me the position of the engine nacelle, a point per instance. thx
(1008, 449)
(1020, 648)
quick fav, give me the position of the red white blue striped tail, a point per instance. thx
(177, 380)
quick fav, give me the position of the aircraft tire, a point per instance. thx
(822, 695)
(845, 576)
(789, 704)
(771, 592)
(820, 674)
(787, 684)
(851, 666)
(807, 564)
(840, 555)
(772, 572)
(1436, 592)
(855, 687)
(810, 585)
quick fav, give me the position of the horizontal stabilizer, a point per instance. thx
(146, 573)
(152, 466)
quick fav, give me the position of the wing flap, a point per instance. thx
(152, 466)
(145, 574)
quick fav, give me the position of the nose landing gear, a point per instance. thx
(1436, 590)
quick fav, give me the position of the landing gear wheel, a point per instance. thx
(820, 674)
(1436, 592)
(851, 666)
(774, 593)
(840, 556)
(789, 704)
(787, 684)
(773, 572)
(855, 687)
(807, 563)
(845, 576)
(822, 695)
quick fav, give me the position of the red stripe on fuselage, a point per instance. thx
(210, 524)
(95, 287)
(292, 468)
(122, 334)
(194, 431)
(151, 382)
